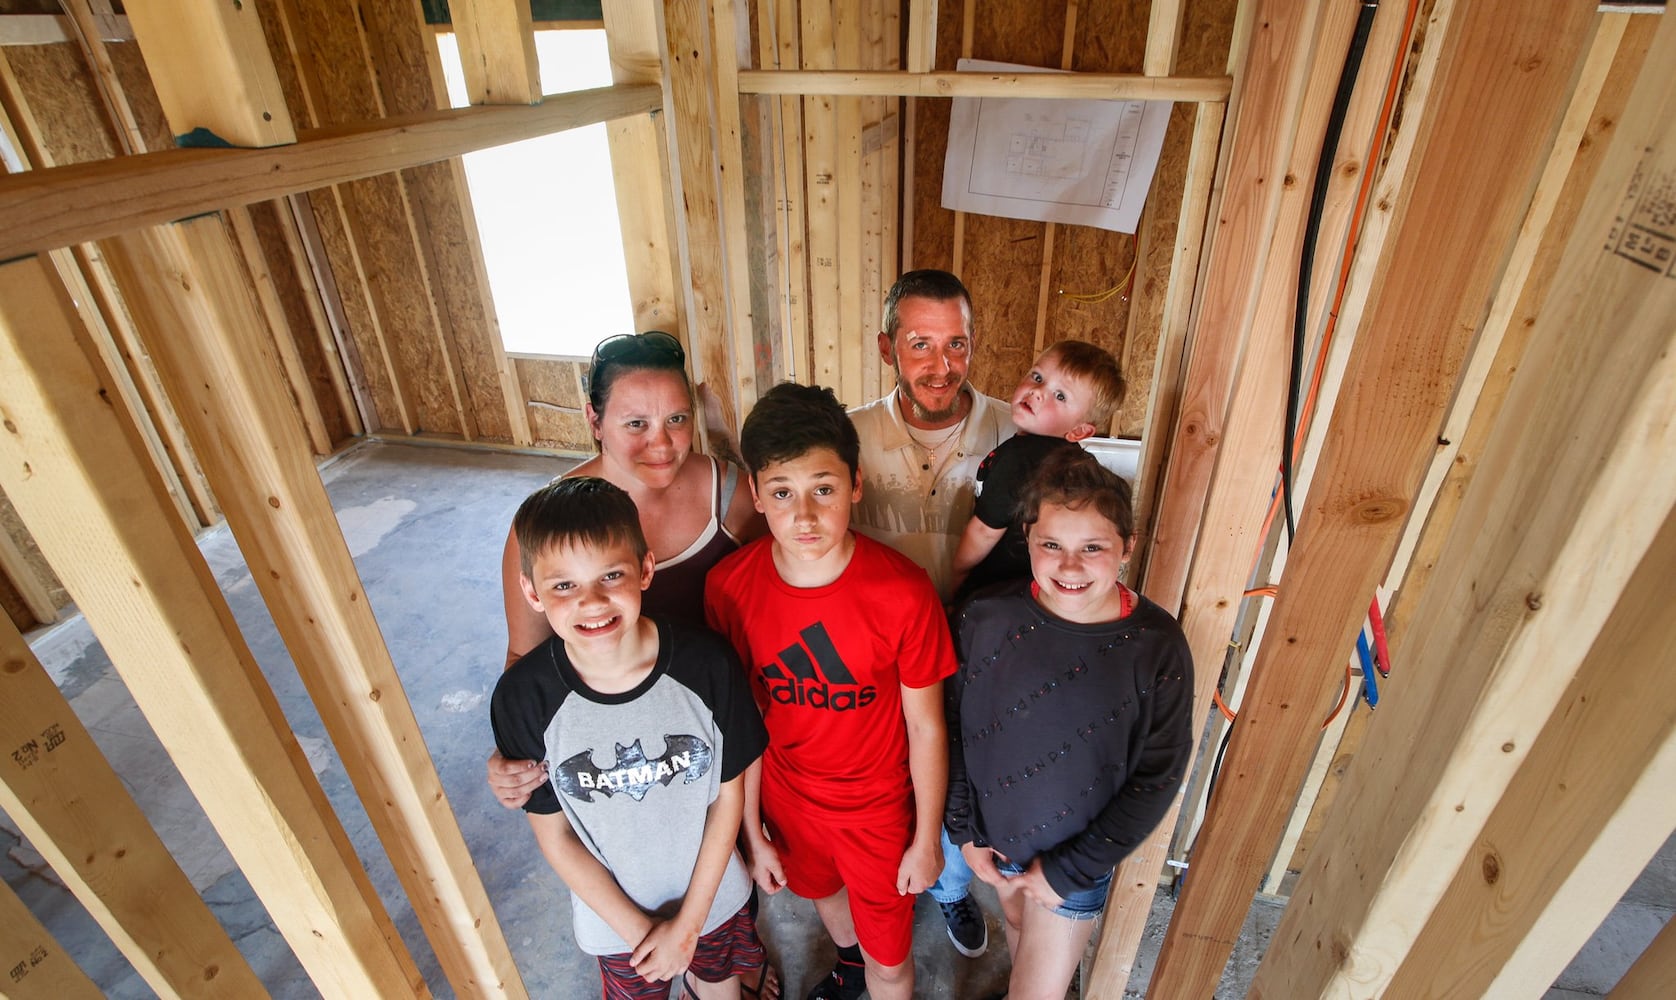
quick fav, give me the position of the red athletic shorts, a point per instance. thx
(733, 949)
(821, 858)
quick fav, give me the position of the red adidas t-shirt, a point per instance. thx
(827, 665)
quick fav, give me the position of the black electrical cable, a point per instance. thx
(1312, 233)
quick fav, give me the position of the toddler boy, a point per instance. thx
(1070, 392)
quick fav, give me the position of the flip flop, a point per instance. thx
(767, 986)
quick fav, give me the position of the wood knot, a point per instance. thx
(1378, 510)
(1533, 601)
(1492, 868)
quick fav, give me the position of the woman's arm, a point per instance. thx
(741, 519)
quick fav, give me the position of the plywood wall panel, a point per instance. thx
(554, 391)
(269, 224)
(364, 357)
(141, 96)
(64, 101)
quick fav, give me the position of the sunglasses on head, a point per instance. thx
(653, 345)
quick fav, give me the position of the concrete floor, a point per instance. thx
(425, 526)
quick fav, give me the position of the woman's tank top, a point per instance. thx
(677, 590)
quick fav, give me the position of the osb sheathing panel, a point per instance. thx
(142, 97)
(36, 563)
(554, 390)
(442, 350)
(64, 101)
(1002, 258)
(317, 364)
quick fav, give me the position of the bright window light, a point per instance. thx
(547, 213)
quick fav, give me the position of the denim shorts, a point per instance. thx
(1084, 905)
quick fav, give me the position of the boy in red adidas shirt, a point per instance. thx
(847, 648)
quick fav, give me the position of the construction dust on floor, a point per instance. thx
(426, 526)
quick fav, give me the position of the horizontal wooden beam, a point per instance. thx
(892, 83)
(47, 209)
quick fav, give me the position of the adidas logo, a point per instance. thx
(811, 673)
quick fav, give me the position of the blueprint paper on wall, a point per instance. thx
(1083, 162)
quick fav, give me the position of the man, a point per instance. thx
(921, 444)
(920, 449)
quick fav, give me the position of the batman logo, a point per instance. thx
(633, 773)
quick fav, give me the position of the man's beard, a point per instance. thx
(925, 414)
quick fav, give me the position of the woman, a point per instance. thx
(640, 406)
(693, 511)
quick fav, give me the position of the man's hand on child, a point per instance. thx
(513, 781)
(1036, 887)
(982, 862)
(921, 865)
(665, 951)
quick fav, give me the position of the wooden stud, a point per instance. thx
(872, 282)
(1537, 534)
(209, 340)
(67, 799)
(33, 964)
(1576, 152)
(87, 495)
(497, 51)
(729, 46)
(273, 311)
(73, 204)
(210, 65)
(1257, 151)
(846, 43)
(1164, 385)
(968, 25)
(640, 166)
(1609, 71)
(922, 35)
(86, 278)
(690, 108)
(779, 46)
(880, 377)
(1049, 230)
(821, 153)
(322, 306)
(1586, 811)
(309, 251)
(886, 83)
(1163, 37)
(84, 26)
(1232, 410)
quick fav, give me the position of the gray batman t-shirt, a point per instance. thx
(635, 772)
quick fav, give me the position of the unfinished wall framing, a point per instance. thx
(1481, 449)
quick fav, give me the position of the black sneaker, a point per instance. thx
(844, 982)
(967, 928)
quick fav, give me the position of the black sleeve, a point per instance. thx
(998, 481)
(728, 695)
(957, 810)
(519, 712)
(1154, 778)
